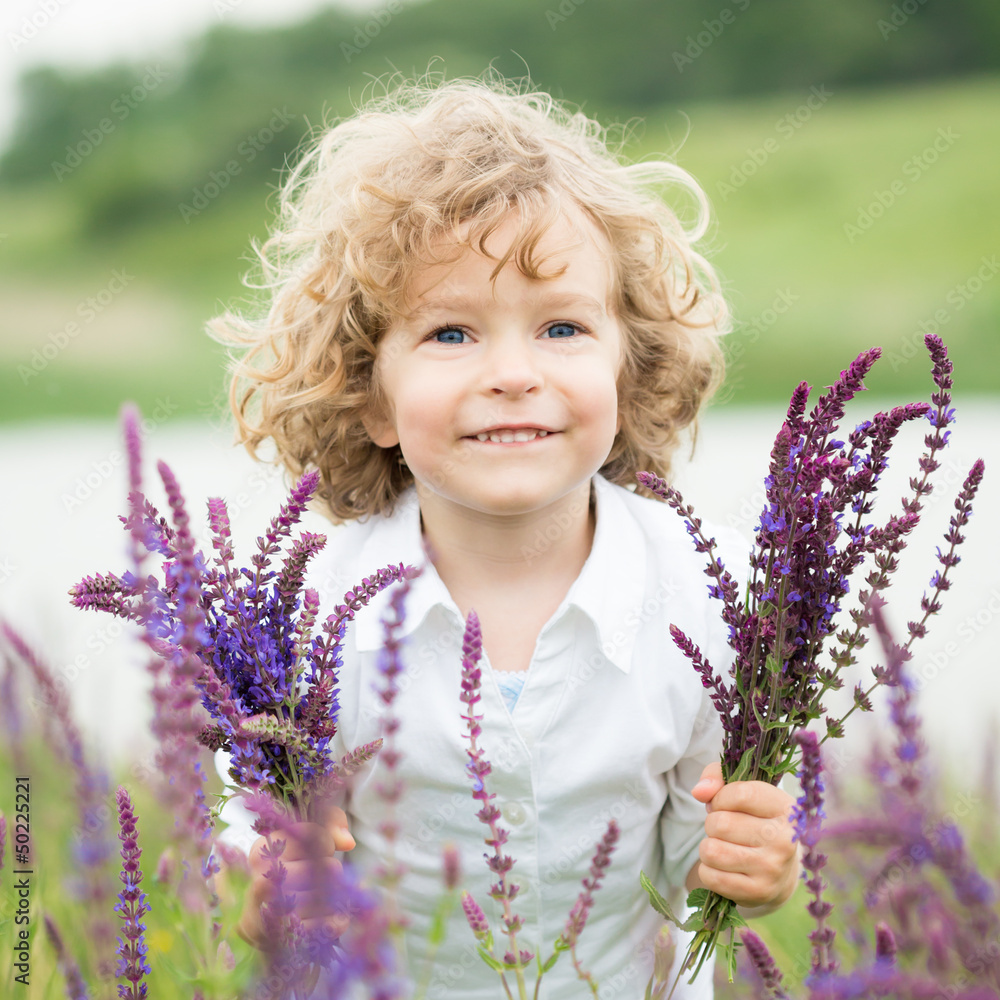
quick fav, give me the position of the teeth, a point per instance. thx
(507, 437)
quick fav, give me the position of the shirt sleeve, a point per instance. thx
(682, 822)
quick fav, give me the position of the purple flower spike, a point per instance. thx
(93, 848)
(129, 416)
(763, 963)
(885, 942)
(807, 817)
(132, 906)
(452, 864)
(942, 364)
(585, 901)
(390, 666)
(475, 916)
(479, 767)
(76, 987)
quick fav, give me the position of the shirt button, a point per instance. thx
(514, 813)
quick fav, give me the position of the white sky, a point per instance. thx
(87, 33)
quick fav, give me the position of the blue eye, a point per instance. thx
(447, 329)
(566, 326)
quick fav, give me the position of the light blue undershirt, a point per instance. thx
(510, 683)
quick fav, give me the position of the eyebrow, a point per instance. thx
(557, 300)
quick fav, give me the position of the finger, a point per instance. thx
(308, 874)
(757, 798)
(709, 783)
(726, 857)
(739, 888)
(316, 906)
(334, 926)
(334, 819)
(747, 830)
(336, 823)
(307, 840)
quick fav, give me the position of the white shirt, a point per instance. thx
(612, 721)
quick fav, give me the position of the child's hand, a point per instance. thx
(309, 908)
(748, 855)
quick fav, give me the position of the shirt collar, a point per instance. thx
(609, 590)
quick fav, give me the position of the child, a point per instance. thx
(483, 325)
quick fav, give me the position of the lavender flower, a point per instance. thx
(76, 986)
(475, 916)
(132, 906)
(811, 537)
(92, 845)
(10, 716)
(885, 942)
(479, 767)
(763, 964)
(807, 817)
(585, 901)
(913, 836)
(295, 956)
(389, 871)
(228, 639)
(581, 908)
(452, 866)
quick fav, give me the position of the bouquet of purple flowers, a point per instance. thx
(246, 637)
(244, 643)
(812, 536)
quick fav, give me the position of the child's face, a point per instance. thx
(540, 354)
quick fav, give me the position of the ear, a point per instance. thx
(380, 430)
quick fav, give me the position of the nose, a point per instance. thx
(512, 368)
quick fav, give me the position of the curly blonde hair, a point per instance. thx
(365, 206)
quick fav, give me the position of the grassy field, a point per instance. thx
(843, 219)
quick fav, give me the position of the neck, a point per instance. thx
(473, 551)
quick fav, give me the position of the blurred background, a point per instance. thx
(849, 151)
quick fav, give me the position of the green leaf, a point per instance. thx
(772, 665)
(492, 962)
(548, 965)
(656, 900)
(744, 766)
(696, 898)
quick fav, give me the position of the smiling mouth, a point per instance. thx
(511, 437)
